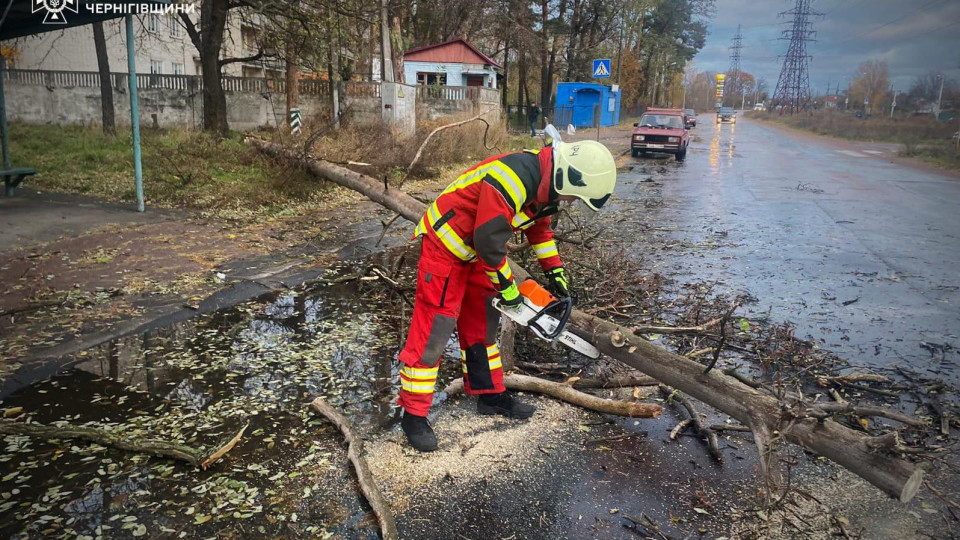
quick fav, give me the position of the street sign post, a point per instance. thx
(601, 68)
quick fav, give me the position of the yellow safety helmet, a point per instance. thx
(584, 169)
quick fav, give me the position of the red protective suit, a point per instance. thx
(463, 266)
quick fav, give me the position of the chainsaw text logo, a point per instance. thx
(56, 10)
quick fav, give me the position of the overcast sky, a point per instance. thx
(913, 37)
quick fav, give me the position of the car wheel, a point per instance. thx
(634, 152)
(682, 155)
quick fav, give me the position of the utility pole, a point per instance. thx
(792, 93)
(894, 104)
(939, 96)
(386, 50)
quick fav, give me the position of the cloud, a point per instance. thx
(913, 38)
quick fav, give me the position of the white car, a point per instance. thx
(758, 107)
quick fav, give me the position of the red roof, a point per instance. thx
(455, 51)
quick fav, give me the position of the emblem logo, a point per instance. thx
(55, 10)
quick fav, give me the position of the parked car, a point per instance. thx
(727, 114)
(660, 130)
(759, 107)
(691, 119)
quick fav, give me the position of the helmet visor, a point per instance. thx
(597, 203)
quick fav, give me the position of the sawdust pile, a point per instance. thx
(473, 449)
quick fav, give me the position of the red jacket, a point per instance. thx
(476, 215)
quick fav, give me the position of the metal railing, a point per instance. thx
(192, 83)
(261, 85)
(459, 93)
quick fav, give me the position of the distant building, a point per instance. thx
(583, 104)
(454, 63)
(163, 47)
(830, 102)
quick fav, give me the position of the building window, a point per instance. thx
(431, 78)
(175, 29)
(153, 23)
(178, 69)
(156, 67)
(249, 36)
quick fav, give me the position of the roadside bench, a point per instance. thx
(13, 176)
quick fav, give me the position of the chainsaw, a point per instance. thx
(546, 315)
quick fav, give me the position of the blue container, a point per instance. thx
(581, 104)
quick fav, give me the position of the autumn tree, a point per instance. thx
(871, 83)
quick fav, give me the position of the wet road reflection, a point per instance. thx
(858, 252)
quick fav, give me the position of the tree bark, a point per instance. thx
(769, 418)
(564, 392)
(209, 42)
(388, 526)
(106, 86)
(292, 65)
(165, 449)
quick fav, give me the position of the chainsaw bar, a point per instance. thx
(545, 326)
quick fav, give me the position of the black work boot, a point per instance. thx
(419, 432)
(505, 405)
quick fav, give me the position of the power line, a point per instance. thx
(888, 23)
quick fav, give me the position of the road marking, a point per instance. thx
(851, 153)
(874, 152)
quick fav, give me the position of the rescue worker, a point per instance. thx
(463, 266)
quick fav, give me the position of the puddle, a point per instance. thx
(197, 384)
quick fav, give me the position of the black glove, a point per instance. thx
(559, 285)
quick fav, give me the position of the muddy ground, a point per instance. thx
(183, 328)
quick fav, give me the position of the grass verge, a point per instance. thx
(922, 137)
(192, 169)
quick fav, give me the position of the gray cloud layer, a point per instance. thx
(912, 37)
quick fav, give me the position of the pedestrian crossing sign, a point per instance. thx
(601, 68)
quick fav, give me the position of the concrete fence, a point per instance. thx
(73, 97)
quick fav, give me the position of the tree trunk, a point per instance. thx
(544, 52)
(765, 415)
(292, 64)
(506, 75)
(396, 48)
(106, 85)
(386, 49)
(213, 19)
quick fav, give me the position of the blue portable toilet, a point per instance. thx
(578, 104)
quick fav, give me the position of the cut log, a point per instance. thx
(525, 383)
(765, 415)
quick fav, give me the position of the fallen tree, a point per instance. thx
(771, 420)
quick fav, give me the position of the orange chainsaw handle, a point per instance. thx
(548, 304)
(535, 292)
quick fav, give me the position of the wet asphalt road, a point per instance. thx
(859, 252)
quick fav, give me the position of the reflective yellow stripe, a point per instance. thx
(424, 374)
(495, 277)
(418, 388)
(546, 249)
(509, 180)
(445, 233)
(466, 180)
(493, 356)
(521, 220)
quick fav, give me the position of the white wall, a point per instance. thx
(456, 73)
